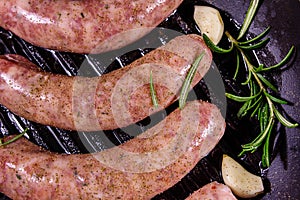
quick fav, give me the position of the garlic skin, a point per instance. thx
(242, 183)
(210, 22)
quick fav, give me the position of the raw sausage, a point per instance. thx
(213, 191)
(139, 169)
(84, 26)
(113, 100)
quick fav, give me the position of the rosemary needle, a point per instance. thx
(188, 80)
(152, 91)
(13, 139)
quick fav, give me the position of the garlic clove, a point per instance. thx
(242, 183)
(210, 22)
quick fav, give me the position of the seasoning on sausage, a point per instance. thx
(138, 169)
(113, 100)
(213, 190)
(85, 26)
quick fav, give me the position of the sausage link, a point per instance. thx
(113, 100)
(213, 190)
(84, 26)
(128, 171)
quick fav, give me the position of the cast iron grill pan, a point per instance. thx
(62, 141)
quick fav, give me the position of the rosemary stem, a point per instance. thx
(250, 66)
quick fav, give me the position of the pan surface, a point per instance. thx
(280, 180)
(283, 17)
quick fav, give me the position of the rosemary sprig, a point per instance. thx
(188, 80)
(260, 103)
(13, 139)
(152, 92)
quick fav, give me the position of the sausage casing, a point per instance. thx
(138, 169)
(84, 26)
(113, 100)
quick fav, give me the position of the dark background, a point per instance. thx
(284, 18)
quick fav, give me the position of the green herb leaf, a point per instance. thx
(259, 139)
(249, 17)
(256, 110)
(237, 65)
(152, 91)
(214, 47)
(264, 117)
(274, 99)
(13, 139)
(239, 98)
(265, 81)
(19, 176)
(253, 40)
(255, 46)
(259, 68)
(266, 156)
(248, 78)
(243, 111)
(283, 61)
(188, 80)
(283, 120)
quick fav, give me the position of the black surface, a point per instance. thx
(281, 180)
(283, 17)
